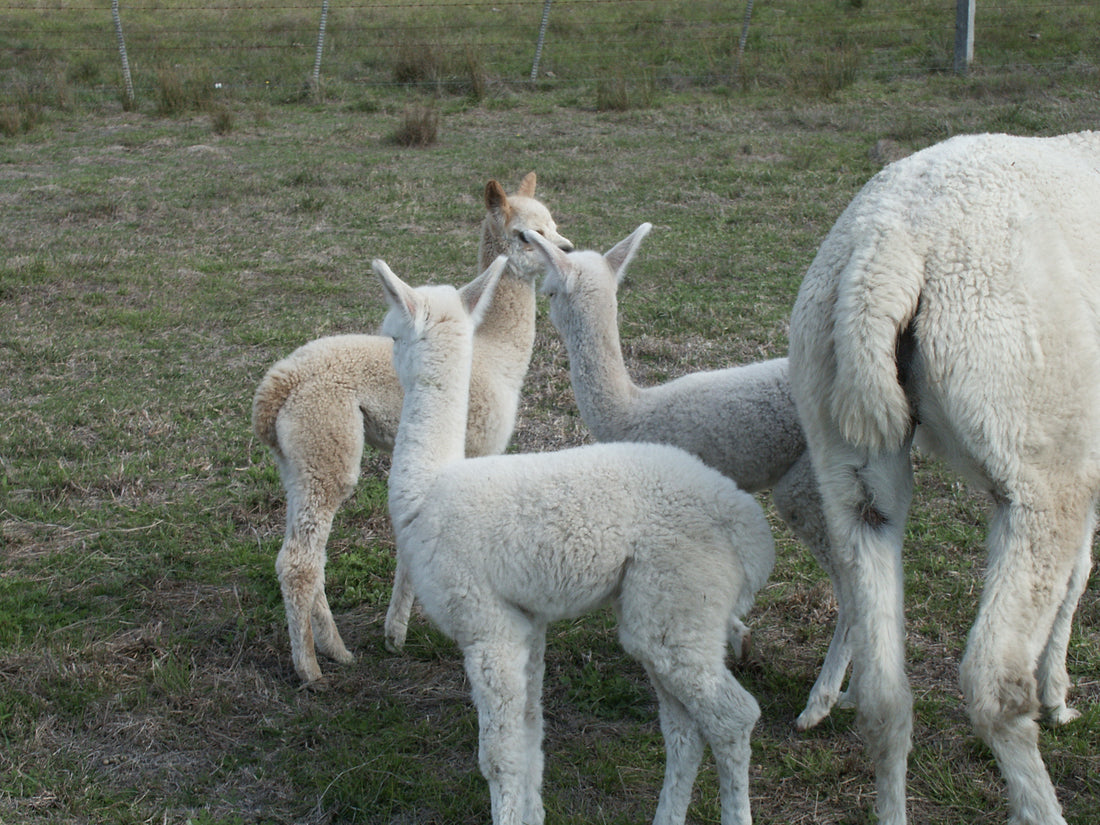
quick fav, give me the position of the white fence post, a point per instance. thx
(542, 38)
(316, 84)
(122, 51)
(964, 34)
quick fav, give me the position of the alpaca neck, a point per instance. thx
(509, 322)
(432, 432)
(493, 243)
(601, 384)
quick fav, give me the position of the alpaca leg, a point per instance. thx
(1033, 550)
(740, 639)
(325, 634)
(496, 671)
(684, 745)
(534, 813)
(1053, 678)
(725, 713)
(401, 602)
(300, 567)
(866, 501)
(798, 502)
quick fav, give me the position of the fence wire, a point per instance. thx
(255, 47)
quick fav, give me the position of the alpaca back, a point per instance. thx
(742, 421)
(355, 368)
(992, 232)
(552, 532)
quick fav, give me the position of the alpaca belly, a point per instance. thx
(560, 582)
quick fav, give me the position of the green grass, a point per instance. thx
(154, 265)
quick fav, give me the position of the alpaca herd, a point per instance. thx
(954, 305)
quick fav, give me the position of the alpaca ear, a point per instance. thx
(399, 295)
(556, 259)
(527, 186)
(623, 252)
(478, 294)
(495, 199)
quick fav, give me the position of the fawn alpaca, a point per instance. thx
(956, 302)
(316, 408)
(742, 421)
(499, 546)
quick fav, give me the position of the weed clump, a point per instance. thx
(419, 127)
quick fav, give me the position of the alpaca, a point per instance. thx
(317, 407)
(499, 546)
(742, 421)
(956, 304)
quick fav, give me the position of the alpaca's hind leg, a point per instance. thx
(1033, 549)
(798, 502)
(325, 634)
(496, 671)
(401, 602)
(1053, 678)
(300, 567)
(866, 501)
(725, 713)
(684, 745)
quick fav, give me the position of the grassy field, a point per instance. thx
(153, 266)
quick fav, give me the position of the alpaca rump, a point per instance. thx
(742, 421)
(319, 406)
(956, 303)
(497, 547)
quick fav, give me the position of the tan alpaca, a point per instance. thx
(317, 407)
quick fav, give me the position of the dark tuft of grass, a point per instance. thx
(419, 127)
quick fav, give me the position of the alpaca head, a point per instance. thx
(419, 317)
(511, 217)
(572, 277)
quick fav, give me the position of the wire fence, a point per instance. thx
(286, 46)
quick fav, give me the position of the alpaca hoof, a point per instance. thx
(845, 701)
(395, 639)
(818, 707)
(1060, 715)
(342, 656)
(811, 716)
(740, 639)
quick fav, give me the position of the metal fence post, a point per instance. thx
(542, 38)
(316, 83)
(964, 34)
(122, 52)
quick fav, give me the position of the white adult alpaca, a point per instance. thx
(316, 408)
(957, 300)
(742, 421)
(497, 547)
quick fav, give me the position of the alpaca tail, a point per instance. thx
(877, 300)
(270, 396)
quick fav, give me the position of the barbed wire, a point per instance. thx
(361, 32)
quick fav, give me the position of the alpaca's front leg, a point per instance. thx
(401, 602)
(499, 686)
(798, 501)
(534, 814)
